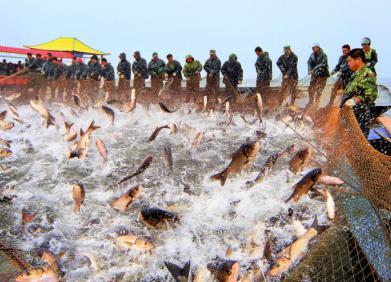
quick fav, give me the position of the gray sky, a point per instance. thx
(184, 26)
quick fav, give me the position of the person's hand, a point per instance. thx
(239, 82)
(286, 76)
(351, 102)
(210, 75)
(166, 76)
(196, 72)
(174, 74)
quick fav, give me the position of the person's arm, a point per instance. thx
(207, 66)
(373, 61)
(240, 73)
(280, 65)
(161, 67)
(199, 67)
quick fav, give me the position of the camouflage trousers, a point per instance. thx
(315, 90)
(288, 88)
(212, 86)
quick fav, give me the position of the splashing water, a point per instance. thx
(213, 217)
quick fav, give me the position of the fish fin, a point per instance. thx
(319, 228)
(92, 126)
(222, 177)
(50, 121)
(178, 272)
(290, 198)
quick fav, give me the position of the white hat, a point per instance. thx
(315, 45)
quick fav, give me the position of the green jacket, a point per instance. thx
(190, 68)
(363, 85)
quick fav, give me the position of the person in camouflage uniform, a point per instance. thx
(156, 71)
(124, 72)
(107, 73)
(361, 92)
(94, 71)
(318, 68)
(370, 54)
(173, 70)
(36, 79)
(287, 64)
(263, 67)
(191, 71)
(344, 72)
(233, 75)
(212, 67)
(140, 71)
(59, 76)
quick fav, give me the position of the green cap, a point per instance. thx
(233, 57)
(154, 54)
(188, 56)
(286, 47)
(212, 51)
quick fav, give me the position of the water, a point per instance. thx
(213, 218)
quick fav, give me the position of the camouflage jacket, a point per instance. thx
(288, 66)
(343, 67)
(94, 70)
(107, 72)
(175, 67)
(71, 72)
(190, 68)
(156, 67)
(318, 65)
(81, 71)
(363, 85)
(233, 71)
(263, 66)
(371, 59)
(124, 68)
(213, 66)
(139, 67)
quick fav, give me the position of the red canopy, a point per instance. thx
(24, 51)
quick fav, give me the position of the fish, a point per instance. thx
(5, 152)
(21, 121)
(259, 106)
(131, 105)
(156, 132)
(330, 180)
(225, 270)
(157, 218)
(227, 109)
(241, 159)
(131, 241)
(80, 149)
(330, 204)
(101, 149)
(6, 125)
(254, 274)
(300, 160)
(77, 100)
(92, 258)
(5, 142)
(205, 103)
(78, 195)
(40, 274)
(144, 165)
(49, 258)
(197, 139)
(168, 157)
(69, 135)
(27, 217)
(305, 184)
(295, 251)
(13, 110)
(123, 202)
(165, 108)
(13, 96)
(110, 113)
(268, 166)
(180, 274)
(3, 115)
(38, 106)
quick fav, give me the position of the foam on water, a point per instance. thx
(213, 218)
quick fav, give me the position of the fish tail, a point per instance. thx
(290, 198)
(178, 272)
(222, 177)
(50, 121)
(92, 126)
(8, 143)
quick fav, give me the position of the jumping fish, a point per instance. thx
(69, 135)
(144, 165)
(131, 241)
(157, 218)
(101, 149)
(300, 160)
(225, 270)
(109, 112)
(205, 103)
(180, 274)
(38, 106)
(81, 147)
(156, 132)
(305, 184)
(77, 100)
(241, 159)
(165, 108)
(198, 139)
(168, 157)
(259, 106)
(330, 180)
(5, 152)
(78, 195)
(41, 274)
(123, 202)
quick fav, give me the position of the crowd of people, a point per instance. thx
(9, 68)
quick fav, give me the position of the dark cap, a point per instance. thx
(94, 57)
(258, 49)
(104, 60)
(137, 53)
(169, 56)
(122, 56)
(29, 54)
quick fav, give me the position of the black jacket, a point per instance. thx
(318, 65)
(233, 71)
(288, 66)
(124, 68)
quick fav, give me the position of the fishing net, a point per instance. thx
(357, 246)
